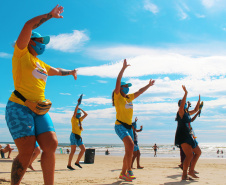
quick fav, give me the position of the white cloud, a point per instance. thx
(5, 55)
(200, 15)
(150, 7)
(209, 3)
(182, 14)
(68, 42)
(65, 94)
(102, 81)
(100, 101)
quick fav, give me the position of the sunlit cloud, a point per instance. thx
(5, 55)
(68, 42)
(150, 7)
(68, 94)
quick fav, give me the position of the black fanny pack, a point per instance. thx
(77, 136)
(125, 124)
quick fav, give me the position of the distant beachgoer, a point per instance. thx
(35, 154)
(124, 113)
(222, 152)
(155, 147)
(28, 99)
(75, 138)
(5, 150)
(107, 152)
(68, 151)
(218, 151)
(136, 150)
(184, 137)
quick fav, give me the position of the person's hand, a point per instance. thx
(136, 119)
(125, 65)
(199, 98)
(74, 74)
(184, 88)
(141, 127)
(57, 11)
(151, 82)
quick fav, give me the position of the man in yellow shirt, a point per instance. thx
(123, 124)
(30, 75)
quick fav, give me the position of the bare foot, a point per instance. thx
(193, 174)
(31, 168)
(140, 167)
(186, 178)
(196, 172)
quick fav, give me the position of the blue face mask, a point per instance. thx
(39, 48)
(125, 90)
(78, 116)
(185, 105)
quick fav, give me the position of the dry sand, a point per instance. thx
(106, 170)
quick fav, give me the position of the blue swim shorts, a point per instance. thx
(22, 122)
(75, 141)
(136, 147)
(122, 132)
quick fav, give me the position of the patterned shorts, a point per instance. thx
(75, 141)
(122, 132)
(22, 122)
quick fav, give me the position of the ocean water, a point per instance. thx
(209, 150)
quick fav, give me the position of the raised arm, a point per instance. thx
(195, 116)
(62, 72)
(85, 113)
(76, 109)
(183, 101)
(25, 33)
(196, 107)
(143, 89)
(118, 82)
(141, 128)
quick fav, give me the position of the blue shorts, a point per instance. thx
(75, 141)
(22, 122)
(122, 132)
(136, 147)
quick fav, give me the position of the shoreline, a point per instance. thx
(106, 169)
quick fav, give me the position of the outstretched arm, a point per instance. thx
(25, 33)
(141, 128)
(181, 108)
(138, 93)
(118, 82)
(196, 107)
(62, 72)
(85, 114)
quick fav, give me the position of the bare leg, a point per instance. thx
(138, 160)
(127, 160)
(189, 154)
(82, 151)
(71, 155)
(48, 143)
(197, 152)
(25, 147)
(134, 157)
(35, 154)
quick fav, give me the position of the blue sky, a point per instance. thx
(175, 42)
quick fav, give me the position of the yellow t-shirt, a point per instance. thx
(29, 75)
(124, 108)
(76, 126)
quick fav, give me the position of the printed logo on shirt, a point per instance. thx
(39, 72)
(129, 105)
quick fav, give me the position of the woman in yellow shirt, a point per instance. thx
(124, 113)
(30, 75)
(75, 138)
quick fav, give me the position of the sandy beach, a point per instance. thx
(106, 169)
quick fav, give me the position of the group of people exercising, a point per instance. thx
(31, 130)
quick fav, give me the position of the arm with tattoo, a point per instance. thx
(62, 72)
(35, 22)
